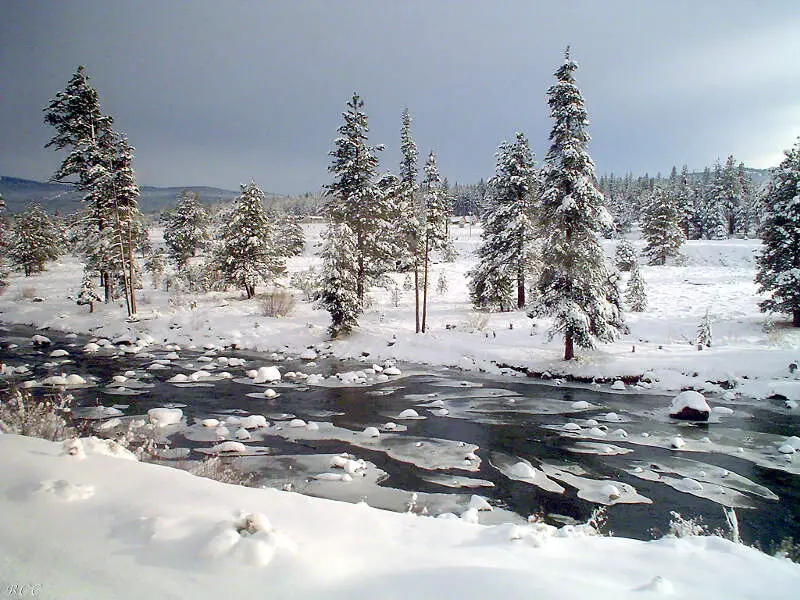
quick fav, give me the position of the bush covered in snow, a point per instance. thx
(277, 303)
(47, 418)
(219, 470)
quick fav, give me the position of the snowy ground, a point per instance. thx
(102, 526)
(748, 352)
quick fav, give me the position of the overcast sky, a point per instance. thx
(218, 93)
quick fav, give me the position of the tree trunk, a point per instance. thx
(106, 286)
(416, 292)
(425, 287)
(91, 307)
(796, 317)
(520, 285)
(569, 350)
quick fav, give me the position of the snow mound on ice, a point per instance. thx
(162, 417)
(266, 375)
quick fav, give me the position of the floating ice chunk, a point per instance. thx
(229, 447)
(267, 375)
(408, 413)
(440, 412)
(371, 432)
(571, 427)
(391, 371)
(334, 477)
(162, 417)
(618, 385)
(179, 378)
(479, 503)
(58, 353)
(581, 405)
(722, 410)
(209, 422)
(253, 422)
(677, 442)
(198, 375)
(270, 393)
(242, 434)
(297, 423)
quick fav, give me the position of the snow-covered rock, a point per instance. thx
(40, 340)
(308, 354)
(229, 447)
(58, 353)
(270, 393)
(394, 371)
(371, 432)
(618, 385)
(689, 406)
(408, 413)
(269, 374)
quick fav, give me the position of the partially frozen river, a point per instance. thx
(428, 440)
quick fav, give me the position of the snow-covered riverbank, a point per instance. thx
(106, 527)
(749, 351)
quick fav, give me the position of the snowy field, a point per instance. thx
(750, 353)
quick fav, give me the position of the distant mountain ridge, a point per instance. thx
(64, 198)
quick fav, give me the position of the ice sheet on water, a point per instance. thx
(457, 481)
(599, 491)
(520, 469)
(598, 448)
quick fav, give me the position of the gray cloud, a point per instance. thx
(217, 93)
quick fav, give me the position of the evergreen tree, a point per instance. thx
(35, 241)
(576, 286)
(661, 228)
(289, 234)
(625, 255)
(185, 228)
(87, 293)
(4, 243)
(354, 198)
(247, 254)
(508, 231)
(715, 203)
(704, 332)
(434, 226)
(339, 294)
(441, 283)
(409, 211)
(155, 266)
(635, 293)
(778, 273)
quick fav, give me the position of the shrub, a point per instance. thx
(308, 282)
(218, 470)
(478, 321)
(22, 414)
(625, 255)
(277, 303)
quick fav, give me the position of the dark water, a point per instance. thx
(515, 432)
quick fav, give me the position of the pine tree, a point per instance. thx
(635, 293)
(247, 254)
(87, 294)
(289, 234)
(434, 225)
(355, 199)
(715, 203)
(704, 332)
(35, 241)
(4, 244)
(778, 273)
(625, 255)
(155, 266)
(508, 230)
(441, 283)
(339, 294)
(576, 286)
(185, 228)
(409, 210)
(660, 227)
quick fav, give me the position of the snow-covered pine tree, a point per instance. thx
(778, 273)
(35, 241)
(714, 208)
(355, 199)
(289, 234)
(625, 255)
(704, 332)
(733, 200)
(185, 228)
(576, 286)
(4, 243)
(508, 231)
(660, 227)
(246, 254)
(87, 294)
(635, 293)
(339, 294)
(441, 283)
(155, 266)
(437, 212)
(409, 211)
